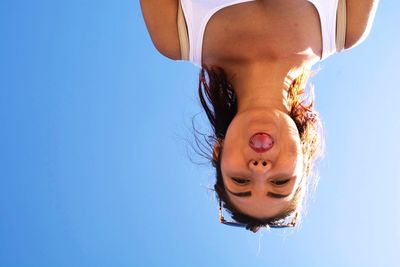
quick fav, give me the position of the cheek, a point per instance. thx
(231, 158)
(293, 163)
(227, 159)
(298, 154)
(231, 150)
(293, 144)
(297, 163)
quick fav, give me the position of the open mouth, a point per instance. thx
(261, 142)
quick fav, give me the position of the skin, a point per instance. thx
(283, 161)
(261, 75)
(262, 45)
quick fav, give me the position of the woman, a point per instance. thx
(255, 58)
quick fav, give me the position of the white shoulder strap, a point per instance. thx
(341, 26)
(183, 33)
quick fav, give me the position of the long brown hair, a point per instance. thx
(218, 98)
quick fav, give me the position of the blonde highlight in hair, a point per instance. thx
(301, 109)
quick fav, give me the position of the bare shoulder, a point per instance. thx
(160, 18)
(360, 16)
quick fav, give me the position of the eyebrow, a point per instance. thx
(248, 194)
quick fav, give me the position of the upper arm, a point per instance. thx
(360, 16)
(160, 17)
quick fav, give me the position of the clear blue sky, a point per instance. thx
(93, 154)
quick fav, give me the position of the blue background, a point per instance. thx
(95, 156)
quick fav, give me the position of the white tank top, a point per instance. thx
(198, 12)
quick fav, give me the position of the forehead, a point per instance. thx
(261, 208)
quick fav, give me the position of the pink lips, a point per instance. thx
(261, 142)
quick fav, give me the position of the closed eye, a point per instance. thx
(280, 182)
(240, 181)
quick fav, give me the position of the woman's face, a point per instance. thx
(261, 162)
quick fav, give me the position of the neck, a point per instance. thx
(263, 85)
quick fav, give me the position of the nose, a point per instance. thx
(261, 142)
(259, 166)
